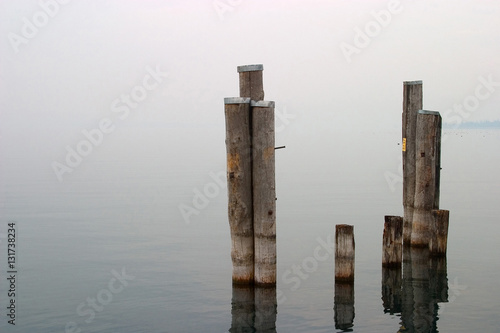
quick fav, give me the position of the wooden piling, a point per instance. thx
(344, 253)
(264, 192)
(392, 244)
(426, 175)
(412, 102)
(439, 235)
(239, 186)
(251, 84)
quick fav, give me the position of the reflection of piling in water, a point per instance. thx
(242, 309)
(424, 285)
(343, 308)
(412, 102)
(391, 290)
(265, 309)
(427, 164)
(253, 309)
(344, 253)
(439, 279)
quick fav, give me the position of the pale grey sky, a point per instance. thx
(328, 65)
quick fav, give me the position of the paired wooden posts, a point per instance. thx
(421, 133)
(251, 180)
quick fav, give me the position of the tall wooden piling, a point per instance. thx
(251, 84)
(392, 243)
(412, 102)
(344, 253)
(264, 192)
(439, 235)
(239, 186)
(427, 173)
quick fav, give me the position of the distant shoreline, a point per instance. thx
(473, 125)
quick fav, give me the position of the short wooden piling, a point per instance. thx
(392, 244)
(439, 235)
(239, 185)
(412, 102)
(426, 175)
(264, 192)
(344, 253)
(251, 84)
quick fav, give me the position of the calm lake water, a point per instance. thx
(108, 250)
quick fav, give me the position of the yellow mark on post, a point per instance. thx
(404, 144)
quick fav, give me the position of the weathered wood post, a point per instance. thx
(343, 306)
(392, 244)
(439, 238)
(251, 84)
(344, 253)
(427, 171)
(412, 102)
(239, 188)
(264, 192)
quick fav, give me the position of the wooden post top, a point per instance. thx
(262, 104)
(409, 83)
(433, 113)
(237, 100)
(250, 68)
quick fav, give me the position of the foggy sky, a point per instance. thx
(67, 75)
